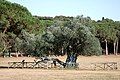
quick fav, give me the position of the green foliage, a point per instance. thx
(75, 35)
(27, 42)
(90, 45)
(44, 44)
(36, 35)
(15, 18)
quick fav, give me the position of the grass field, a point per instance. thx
(54, 74)
(40, 74)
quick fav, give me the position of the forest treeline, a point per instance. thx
(22, 32)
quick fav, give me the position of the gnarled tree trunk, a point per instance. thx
(71, 58)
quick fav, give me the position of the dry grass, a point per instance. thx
(38, 74)
(42, 74)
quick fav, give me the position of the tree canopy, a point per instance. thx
(37, 35)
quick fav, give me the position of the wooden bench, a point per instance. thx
(104, 66)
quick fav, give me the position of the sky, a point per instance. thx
(96, 9)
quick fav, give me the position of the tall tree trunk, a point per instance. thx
(106, 51)
(116, 48)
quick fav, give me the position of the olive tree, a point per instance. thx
(74, 39)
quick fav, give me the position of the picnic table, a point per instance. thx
(104, 66)
(39, 64)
